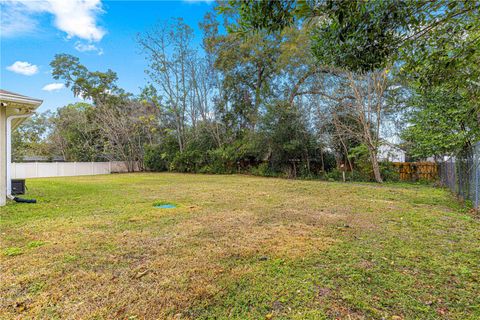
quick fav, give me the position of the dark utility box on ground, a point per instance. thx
(18, 186)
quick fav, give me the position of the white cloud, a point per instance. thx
(53, 86)
(88, 47)
(14, 21)
(24, 68)
(77, 18)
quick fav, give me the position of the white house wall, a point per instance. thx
(3, 156)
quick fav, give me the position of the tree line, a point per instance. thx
(280, 88)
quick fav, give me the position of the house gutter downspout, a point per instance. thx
(9, 151)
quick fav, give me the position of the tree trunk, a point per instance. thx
(323, 162)
(375, 166)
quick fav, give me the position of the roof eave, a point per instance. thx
(20, 100)
(18, 105)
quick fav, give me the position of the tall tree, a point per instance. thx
(31, 138)
(126, 128)
(76, 133)
(98, 86)
(168, 48)
(442, 74)
(364, 104)
(116, 127)
(357, 35)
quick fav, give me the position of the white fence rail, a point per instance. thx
(23, 170)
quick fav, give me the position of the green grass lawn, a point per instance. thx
(237, 247)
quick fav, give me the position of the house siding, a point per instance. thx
(3, 155)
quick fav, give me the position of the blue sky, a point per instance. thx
(101, 33)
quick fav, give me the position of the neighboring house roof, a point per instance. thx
(42, 159)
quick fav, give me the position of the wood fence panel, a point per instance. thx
(414, 171)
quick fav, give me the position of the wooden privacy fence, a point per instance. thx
(414, 171)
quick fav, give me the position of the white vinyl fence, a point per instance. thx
(23, 170)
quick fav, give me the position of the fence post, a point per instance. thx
(477, 173)
(36, 169)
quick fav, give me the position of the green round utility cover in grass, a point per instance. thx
(165, 206)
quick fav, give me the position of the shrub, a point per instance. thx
(155, 159)
(158, 157)
(187, 161)
(222, 160)
(262, 169)
(334, 175)
(389, 172)
(363, 167)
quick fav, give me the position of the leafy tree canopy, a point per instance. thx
(356, 35)
(95, 85)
